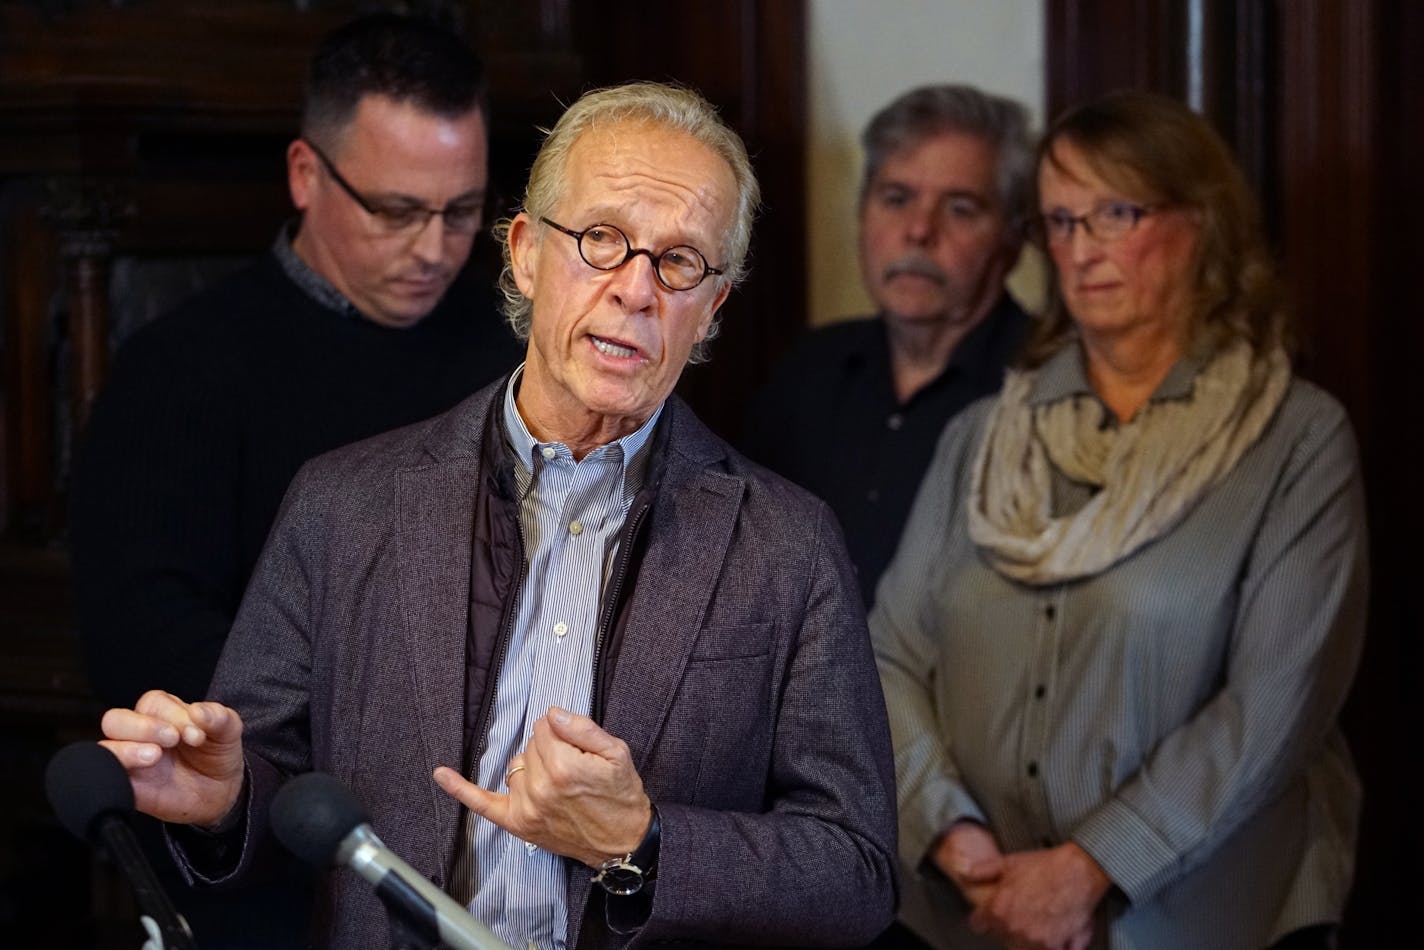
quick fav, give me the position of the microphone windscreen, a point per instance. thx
(83, 781)
(312, 814)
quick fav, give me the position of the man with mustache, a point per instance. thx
(942, 203)
(353, 323)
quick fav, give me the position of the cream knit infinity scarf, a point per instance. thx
(1150, 471)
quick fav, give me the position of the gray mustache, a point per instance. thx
(917, 265)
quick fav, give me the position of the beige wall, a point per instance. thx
(863, 53)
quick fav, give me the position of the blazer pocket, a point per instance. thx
(733, 641)
(725, 714)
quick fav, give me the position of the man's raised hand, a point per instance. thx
(184, 759)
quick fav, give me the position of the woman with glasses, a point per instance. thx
(1130, 599)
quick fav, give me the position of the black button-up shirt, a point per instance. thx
(830, 421)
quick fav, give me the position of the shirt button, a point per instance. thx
(530, 847)
(896, 421)
(1039, 691)
(873, 495)
(548, 452)
(575, 527)
(560, 629)
(1050, 612)
(1033, 770)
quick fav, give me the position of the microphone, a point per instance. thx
(90, 793)
(320, 821)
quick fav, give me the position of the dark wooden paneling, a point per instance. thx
(1217, 55)
(1361, 285)
(1325, 112)
(155, 129)
(183, 108)
(748, 59)
(1345, 225)
(1095, 46)
(28, 266)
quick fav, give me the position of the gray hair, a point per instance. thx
(932, 110)
(673, 107)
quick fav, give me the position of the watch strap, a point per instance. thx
(629, 874)
(645, 856)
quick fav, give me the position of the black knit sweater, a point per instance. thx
(208, 414)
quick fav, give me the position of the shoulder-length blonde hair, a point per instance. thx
(1157, 150)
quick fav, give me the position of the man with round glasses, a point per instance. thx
(604, 247)
(590, 671)
(357, 321)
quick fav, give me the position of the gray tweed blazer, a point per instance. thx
(745, 686)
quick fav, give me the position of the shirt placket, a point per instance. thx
(564, 631)
(1038, 706)
(553, 483)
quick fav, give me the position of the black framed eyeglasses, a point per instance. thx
(604, 247)
(1107, 221)
(461, 216)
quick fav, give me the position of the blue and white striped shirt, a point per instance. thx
(572, 515)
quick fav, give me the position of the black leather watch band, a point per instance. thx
(630, 874)
(645, 856)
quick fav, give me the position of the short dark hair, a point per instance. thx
(406, 58)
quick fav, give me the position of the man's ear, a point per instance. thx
(523, 253)
(301, 173)
(723, 290)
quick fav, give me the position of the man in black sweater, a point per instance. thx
(357, 321)
(854, 411)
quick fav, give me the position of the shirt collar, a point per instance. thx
(630, 452)
(973, 352)
(300, 273)
(1064, 375)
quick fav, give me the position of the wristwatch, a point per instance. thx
(632, 872)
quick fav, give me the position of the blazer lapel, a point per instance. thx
(691, 527)
(436, 516)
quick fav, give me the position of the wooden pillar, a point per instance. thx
(28, 272)
(87, 259)
(87, 214)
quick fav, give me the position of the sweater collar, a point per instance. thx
(314, 285)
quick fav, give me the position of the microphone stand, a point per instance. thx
(164, 926)
(407, 931)
(406, 937)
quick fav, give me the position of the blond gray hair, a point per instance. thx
(673, 107)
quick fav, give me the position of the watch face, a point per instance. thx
(620, 878)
